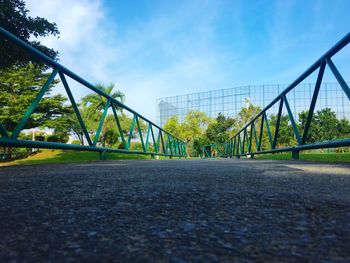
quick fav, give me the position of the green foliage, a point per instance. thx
(19, 86)
(219, 130)
(194, 125)
(286, 134)
(95, 103)
(40, 136)
(23, 136)
(92, 106)
(14, 18)
(57, 138)
(343, 127)
(136, 146)
(198, 130)
(173, 126)
(191, 130)
(325, 126)
(246, 114)
(76, 142)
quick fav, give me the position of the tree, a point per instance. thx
(285, 133)
(94, 104)
(173, 126)
(246, 114)
(19, 86)
(327, 121)
(343, 128)
(218, 131)
(14, 18)
(193, 127)
(324, 125)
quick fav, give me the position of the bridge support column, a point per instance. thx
(295, 154)
(252, 156)
(103, 155)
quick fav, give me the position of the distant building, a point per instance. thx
(230, 101)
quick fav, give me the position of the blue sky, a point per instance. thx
(152, 49)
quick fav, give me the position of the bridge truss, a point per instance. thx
(248, 140)
(154, 141)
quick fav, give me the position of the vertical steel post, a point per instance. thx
(313, 102)
(34, 104)
(277, 124)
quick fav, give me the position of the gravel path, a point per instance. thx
(175, 211)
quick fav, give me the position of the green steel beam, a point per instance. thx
(3, 132)
(131, 130)
(268, 129)
(140, 133)
(313, 102)
(159, 141)
(278, 122)
(34, 104)
(75, 107)
(155, 147)
(99, 128)
(244, 137)
(294, 125)
(261, 132)
(8, 142)
(240, 144)
(162, 141)
(256, 137)
(119, 127)
(251, 137)
(147, 136)
(169, 144)
(338, 76)
(234, 146)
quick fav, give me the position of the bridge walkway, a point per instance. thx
(176, 210)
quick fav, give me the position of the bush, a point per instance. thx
(23, 136)
(40, 137)
(58, 138)
(53, 138)
(136, 146)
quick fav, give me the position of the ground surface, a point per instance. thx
(175, 210)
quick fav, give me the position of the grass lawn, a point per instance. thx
(318, 157)
(60, 156)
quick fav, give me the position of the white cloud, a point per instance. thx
(176, 50)
(90, 46)
(83, 41)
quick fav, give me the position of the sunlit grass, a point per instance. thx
(317, 157)
(60, 156)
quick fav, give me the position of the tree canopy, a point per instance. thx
(325, 126)
(15, 19)
(19, 86)
(219, 130)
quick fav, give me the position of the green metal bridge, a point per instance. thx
(248, 140)
(157, 141)
(163, 143)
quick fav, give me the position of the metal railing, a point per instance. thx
(241, 144)
(163, 143)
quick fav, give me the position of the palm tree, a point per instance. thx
(95, 103)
